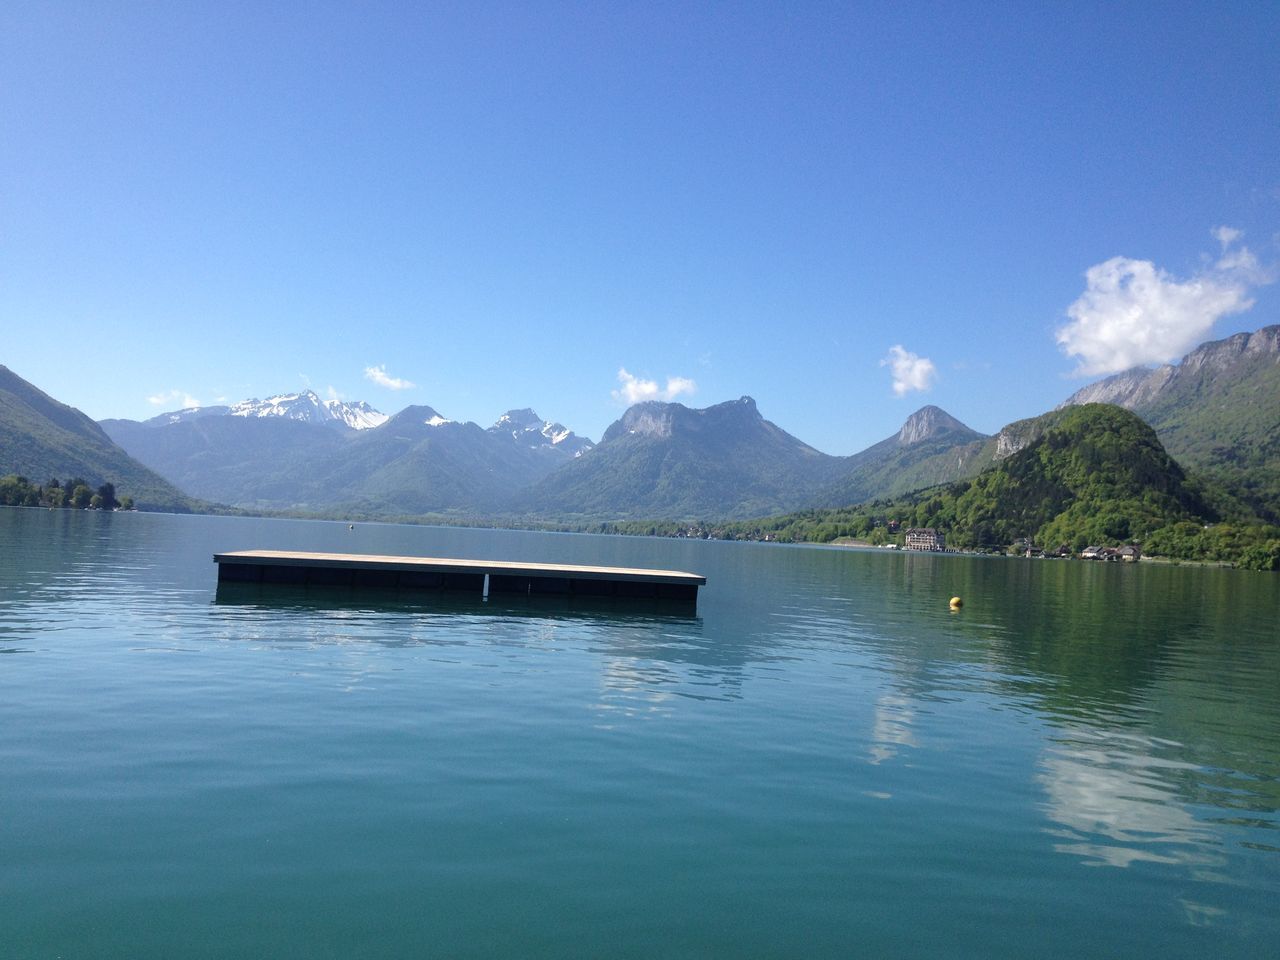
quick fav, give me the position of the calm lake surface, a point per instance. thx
(823, 762)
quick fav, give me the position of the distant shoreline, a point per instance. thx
(550, 526)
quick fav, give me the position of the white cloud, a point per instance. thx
(332, 394)
(1133, 313)
(179, 398)
(380, 376)
(635, 390)
(1227, 235)
(910, 372)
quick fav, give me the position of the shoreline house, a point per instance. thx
(925, 538)
(1128, 554)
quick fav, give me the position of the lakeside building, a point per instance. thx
(1129, 554)
(925, 538)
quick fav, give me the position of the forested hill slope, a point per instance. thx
(1095, 474)
(43, 439)
(1217, 411)
(1092, 474)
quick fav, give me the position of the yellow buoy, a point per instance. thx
(956, 603)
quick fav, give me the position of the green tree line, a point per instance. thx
(77, 494)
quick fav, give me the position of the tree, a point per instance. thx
(107, 493)
(81, 496)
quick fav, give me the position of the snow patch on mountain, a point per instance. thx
(357, 415)
(185, 414)
(309, 408)
(527, 428)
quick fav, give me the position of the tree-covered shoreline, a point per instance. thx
(76, 493)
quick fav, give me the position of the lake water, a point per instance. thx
(824, 762)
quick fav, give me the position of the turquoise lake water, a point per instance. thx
(824, 761)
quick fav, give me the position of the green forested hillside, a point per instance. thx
(1095, 474)
(42, 439)
(1229, 430)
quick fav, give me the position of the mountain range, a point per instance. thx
(664, 459)
(297, 452)
(1217, 412)
(659, 459)
(305, 407)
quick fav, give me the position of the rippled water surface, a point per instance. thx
(824, 761)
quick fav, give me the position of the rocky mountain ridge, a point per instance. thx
(662, 459)
(297, 452)
(1218, 411)
(1143, 387)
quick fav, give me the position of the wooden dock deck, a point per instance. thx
(435, 573)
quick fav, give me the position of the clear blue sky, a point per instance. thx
(504, 205)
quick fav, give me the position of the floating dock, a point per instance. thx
(356, 570)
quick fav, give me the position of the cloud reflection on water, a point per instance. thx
(891, 726)
(1111, 795)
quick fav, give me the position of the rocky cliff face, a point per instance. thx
(1222, 355)
(645, 419)
(1129, 389)
(1141, 388)
(1009, 442)
(928, 422)
(660, 420)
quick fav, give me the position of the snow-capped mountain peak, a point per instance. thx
(309, 408)
(357, 414)
(526, 427)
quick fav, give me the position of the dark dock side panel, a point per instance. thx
(471, 576)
